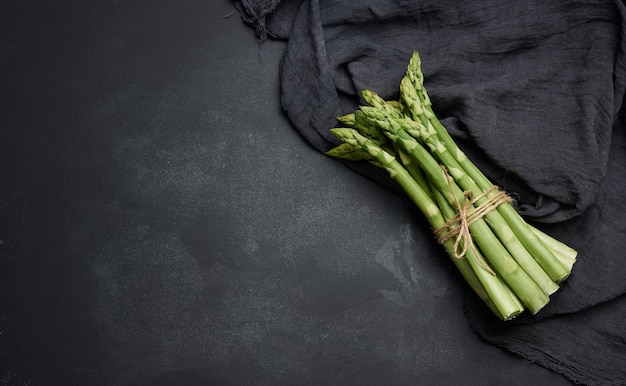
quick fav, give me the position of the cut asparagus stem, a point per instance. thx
(563, 252)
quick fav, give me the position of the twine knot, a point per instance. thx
(458, 227)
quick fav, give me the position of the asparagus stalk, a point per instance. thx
(565, 254)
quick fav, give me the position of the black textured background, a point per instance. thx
(161, 223)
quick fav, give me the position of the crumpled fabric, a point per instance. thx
(255, 13)
(532, 92)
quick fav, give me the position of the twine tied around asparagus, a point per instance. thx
(458, 226)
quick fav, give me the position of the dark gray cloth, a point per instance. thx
(532, 91)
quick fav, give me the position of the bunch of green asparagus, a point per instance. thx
(511, 265)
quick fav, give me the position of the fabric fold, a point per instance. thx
(491, 66)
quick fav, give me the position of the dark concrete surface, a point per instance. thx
(161, 223)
